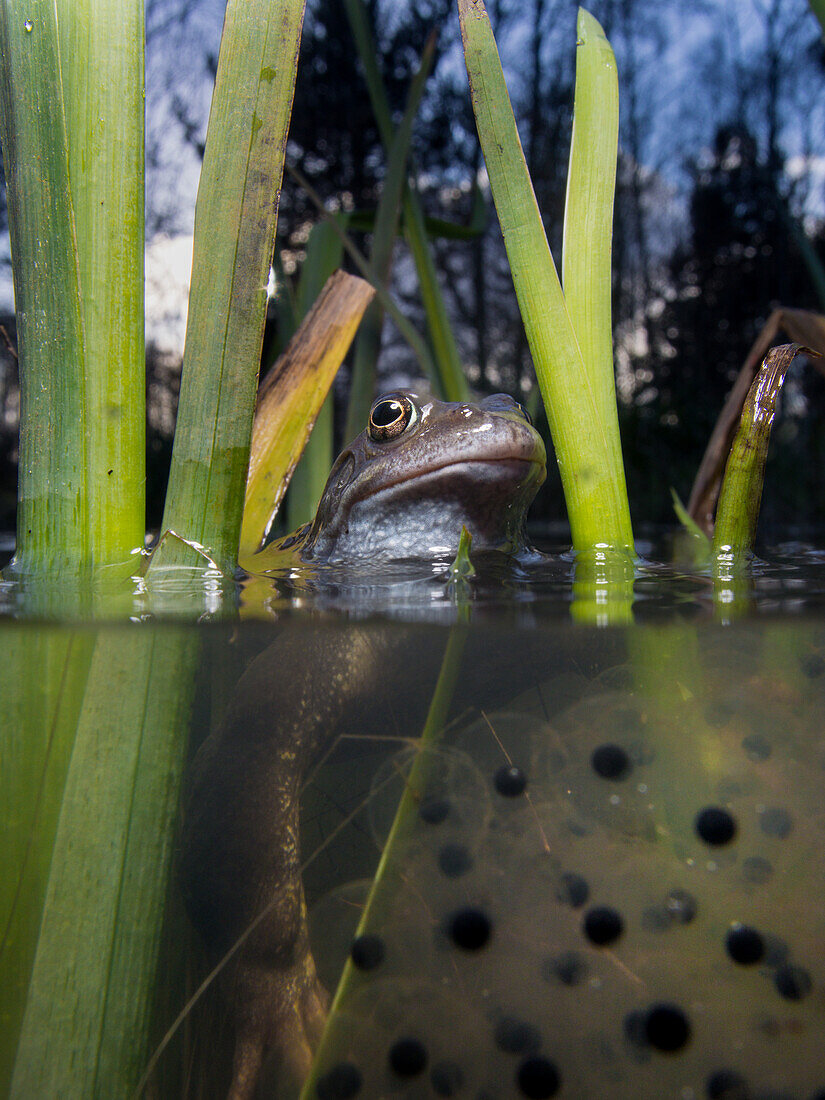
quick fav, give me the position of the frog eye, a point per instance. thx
(389, 417)
(521, 408)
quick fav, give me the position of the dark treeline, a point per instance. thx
(719, 206)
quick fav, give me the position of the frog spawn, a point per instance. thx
(622, 896)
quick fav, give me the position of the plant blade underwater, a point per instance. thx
(42, 680)
(389, 875)
(593, 483)
(90, 995)
(90, 991)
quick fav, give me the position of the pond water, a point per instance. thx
(603, 868)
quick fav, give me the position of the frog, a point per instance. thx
(422, 470)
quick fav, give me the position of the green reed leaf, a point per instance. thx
(588, 222)
(235, 219)
(86, 1022)
(741, 494)
(593, 482)
(386, 225)
(104, 119)
(453, 385)
(52, 517)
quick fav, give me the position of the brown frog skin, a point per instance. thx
(403, 489)
(420, 471)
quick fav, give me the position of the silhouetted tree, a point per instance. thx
(738, 263)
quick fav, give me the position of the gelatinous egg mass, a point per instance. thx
(615, 886)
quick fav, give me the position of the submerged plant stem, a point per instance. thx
(387, 877)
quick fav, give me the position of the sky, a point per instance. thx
(674, 56)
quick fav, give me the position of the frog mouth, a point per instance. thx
(517, 471)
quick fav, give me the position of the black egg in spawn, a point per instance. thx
(538, 1078)
(407, 1057)
(434, 810)
(454, 860)
(756, 869)
(681, 905)
(510, 781)
(667, 1028)
(611, 762)
(514, 1036)
(603, 925)
(727, 1084)
(572, 890)
(569, 968)
(757, 747)
(446, 1079)
(715, 826)
(744, 945)
(793, 982)
(367, 952)
(469, 928)
(635, 1028)
(776, 822)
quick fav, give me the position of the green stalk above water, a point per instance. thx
(368, 343)
(449, 375)
(584, 429)
(588, 223)
(52, 517)
(73, 146)
(104, 119)
(240, 185)
(741, 494)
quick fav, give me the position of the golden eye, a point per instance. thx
(389, 417)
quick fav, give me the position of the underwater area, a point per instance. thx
(534, 857)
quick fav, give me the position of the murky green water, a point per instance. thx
(607, 876)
